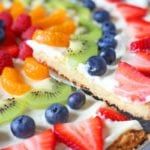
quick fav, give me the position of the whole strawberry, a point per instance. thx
(22, 23)
(5, 60)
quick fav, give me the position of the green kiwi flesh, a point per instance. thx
(11, 108)
(50, 92)
(79, 51)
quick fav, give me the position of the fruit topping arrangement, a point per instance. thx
(132, 72)
(72, 134)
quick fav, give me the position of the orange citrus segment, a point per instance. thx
(17, 8)
(55, 18)
(35, 70)
(68, 27)
(57, 39)
(12, 82)
(1, 7)
(37, 12)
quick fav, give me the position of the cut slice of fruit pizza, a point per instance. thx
(53, 55)
(108, 54)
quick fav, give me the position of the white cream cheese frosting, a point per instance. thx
(112, 130)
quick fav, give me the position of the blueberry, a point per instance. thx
(2, 34)
(108, 27)
(57, 113)
(23, 127)
(107, 42)
(76, 100)
(2, 24)
(89, 4)
(101, 15)
(109, 56)
(96, 65)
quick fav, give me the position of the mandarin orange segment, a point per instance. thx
(12, 82)
(17, 8)
(67, 27)
(57, 39)
(37, 12)
(1, 7)
(55, 18)
(35, 70)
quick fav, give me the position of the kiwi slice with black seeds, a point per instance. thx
(11, 108)
(80, 50)
(49, 92)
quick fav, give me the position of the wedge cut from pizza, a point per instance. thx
(36, 111)
(108, 53)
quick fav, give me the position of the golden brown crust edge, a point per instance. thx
(129, 141)
(75, 76)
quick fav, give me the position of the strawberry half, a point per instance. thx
(132, 83)
(139, 55)
(43, 141)
(140, 45)
(84, 135)
(112, 114)
(139, 28)
(131, 11)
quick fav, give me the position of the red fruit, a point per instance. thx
(7, 18)
(43, 141)
(25, 51)
(13, 50)
(139, 28)
(5, 60)
(114, 1)
(132, 83)
(29, 33)
(112, 114)
(131, 11)
(84, 135)
(140, 44)
(22, 23)
(10, 39)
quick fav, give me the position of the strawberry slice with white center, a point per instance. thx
(111, 114)
(43, 141)
(132, 83)
(84, 135)
(139, 28)
(139, 55)
(131, 11)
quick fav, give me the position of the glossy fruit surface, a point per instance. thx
(23, 127)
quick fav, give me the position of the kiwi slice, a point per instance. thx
(47, 93)
(11, 108)
(80, 50)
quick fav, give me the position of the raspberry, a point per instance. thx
(28, 33)
(13, 50)
(25, 51)
(5, 60)
(22, 23)
(7, 18)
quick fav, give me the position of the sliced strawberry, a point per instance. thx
(139, 28)
(112, 114)
(142, 44)
(84, 135)
(140, 59)
(131, 11)
(132, 82)
(44, 141)
(20, 146)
